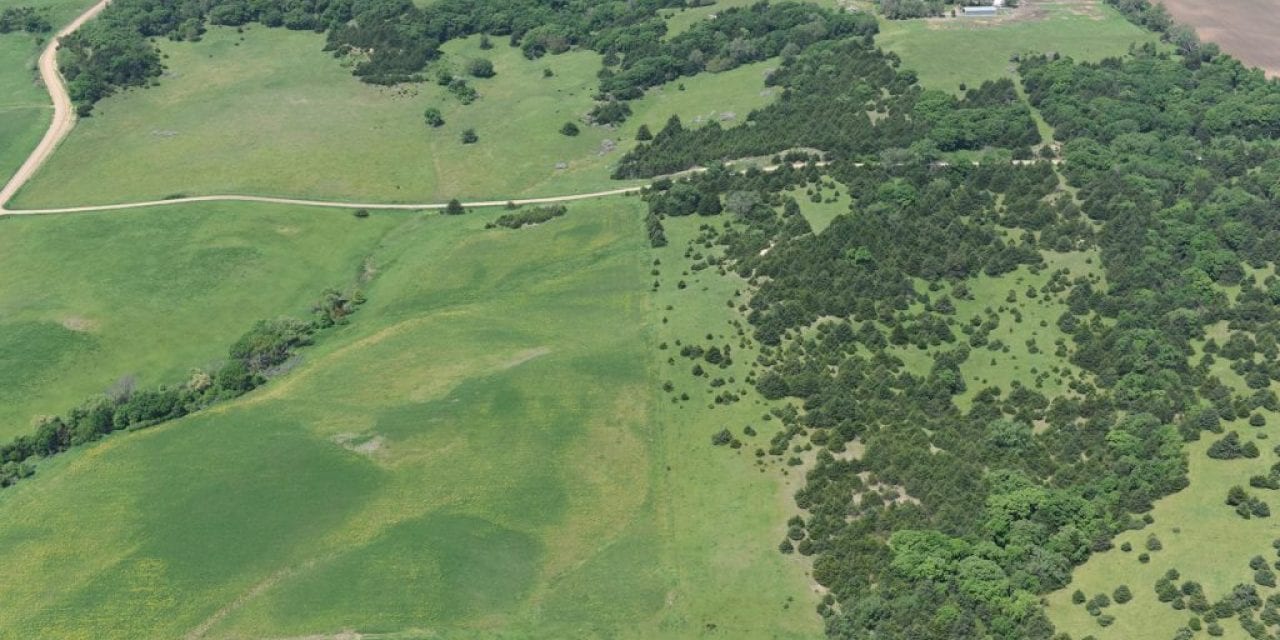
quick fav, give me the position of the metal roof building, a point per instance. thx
(979, 11)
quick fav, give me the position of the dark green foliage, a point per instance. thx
(1229, 448)
(433, 117)
(535, 215)
(259, 354)
(27, 19)
(827, 94)
(569, 129)
(609, 112)
(454, 208)
(1153, 543)
(657, 234)
(270, 342)
(469, 136)
(1122, 594)
(394, 39)
(904, 9)
(480, 68)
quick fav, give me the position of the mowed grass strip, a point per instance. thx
(480, 452)
(266, 112)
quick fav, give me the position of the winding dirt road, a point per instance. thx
(64, 114)
(64, 120)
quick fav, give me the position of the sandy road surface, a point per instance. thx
(64, 114)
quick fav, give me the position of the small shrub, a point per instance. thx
(569, 129)
(433, 117)
(1153, 543)
(480, 68)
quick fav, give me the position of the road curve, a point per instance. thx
(64, 114)
(64, 119)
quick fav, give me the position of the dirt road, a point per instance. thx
(64, 119)
(64, 114)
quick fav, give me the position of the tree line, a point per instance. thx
(257, 356)
(849, 100)
(392, 41)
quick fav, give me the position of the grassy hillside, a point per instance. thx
(24, 106)
(267, 112)
(950, 51)
(485, 450)
(87, 300)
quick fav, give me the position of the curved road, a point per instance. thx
(64, 115)
(64, 120)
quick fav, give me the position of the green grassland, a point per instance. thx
(946, 52)
(87, 300)
(485, 451)
(1202, 538)
(267, 112)
(25, 108)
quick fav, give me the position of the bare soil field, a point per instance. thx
(1247, 29)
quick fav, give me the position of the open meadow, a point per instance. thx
(150, 295)
(1087, 30)
(484, 451)
(1200, 536)
(25, 109)
(266, 112)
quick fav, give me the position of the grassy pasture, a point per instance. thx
(267, 112)
(89, 299)
(485, 451)
(25, 109)
(946, 52)
(1202, 537)
(1211, 545)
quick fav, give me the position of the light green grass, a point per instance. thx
(949, 51)
(522, 473)
(986, 367)
(1212, 544)
(267, 112)
(1213, 547)
(679, 21)
(89, 299)
(25, 108)
(820, 214)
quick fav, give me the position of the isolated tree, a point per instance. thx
(1184, 38)
(469, 136)
(643, 134)
(1122, 594)
(570, 129)
(433, 117)
(480, 68)
(485, 43)
(454, 208)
